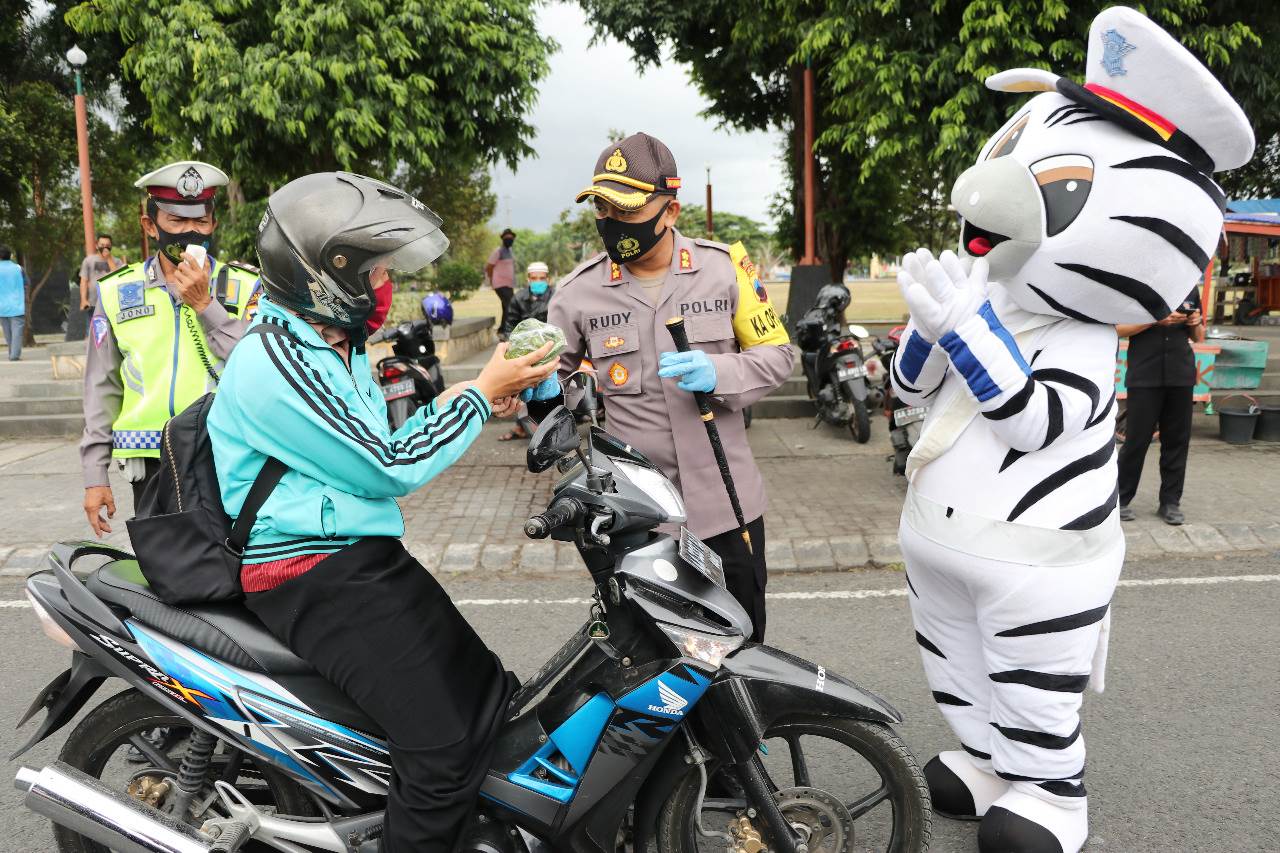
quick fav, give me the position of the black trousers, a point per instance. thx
(1166, 409)
(504, 296)
(153, 465)
(745, 573)
(375, 623)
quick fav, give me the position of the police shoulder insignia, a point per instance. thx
(618, 374)
(615, 271)
(686, 259)
(100, 328)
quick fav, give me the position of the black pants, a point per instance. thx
(745, 573)
(1166, 409)
(504, 296)
(375, 623)
(153, 465)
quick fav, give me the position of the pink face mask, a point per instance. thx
(381, 305)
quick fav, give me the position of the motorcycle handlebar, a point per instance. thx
(560, 513)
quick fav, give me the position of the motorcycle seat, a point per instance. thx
(229, 632)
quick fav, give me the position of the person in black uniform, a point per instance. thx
(1161, 377)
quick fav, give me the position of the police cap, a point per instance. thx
(632, 171)
(185, 188)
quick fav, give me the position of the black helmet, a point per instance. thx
(833, 297)
(323, 233)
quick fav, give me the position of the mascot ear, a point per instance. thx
(1023, 80)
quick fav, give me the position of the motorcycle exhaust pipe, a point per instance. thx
(84, 805)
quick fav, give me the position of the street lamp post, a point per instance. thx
(77, 58)
(711, 227)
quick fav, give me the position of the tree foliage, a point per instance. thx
(900, 107)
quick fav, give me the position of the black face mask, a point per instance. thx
(172, 244)
(628, 241)
(507, 241)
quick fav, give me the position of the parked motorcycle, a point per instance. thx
(656, 722)
(834, 366)
(411, 377)
(905, 422)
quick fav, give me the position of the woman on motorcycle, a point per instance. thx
(324, 568)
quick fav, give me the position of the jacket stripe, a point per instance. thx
(1058, 625)
(1043, 680)
(1139, 291)
(948, 699)
(1064, 475)
(1097, 515)
(1044, 740)
(339, 417)
(1184, 170)
(1173, 235)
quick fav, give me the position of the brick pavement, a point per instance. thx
(834, 504)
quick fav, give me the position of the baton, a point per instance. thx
(676, 327)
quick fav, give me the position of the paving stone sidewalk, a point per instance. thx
(834, 504)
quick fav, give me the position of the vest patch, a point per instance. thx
(134, 313)
(131, 295)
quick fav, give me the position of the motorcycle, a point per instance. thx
(834, 366)
(905, 422)
(657, 721)
(411, 377)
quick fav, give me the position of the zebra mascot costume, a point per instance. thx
(1092, 206)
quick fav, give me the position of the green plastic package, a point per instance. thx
(531, 335)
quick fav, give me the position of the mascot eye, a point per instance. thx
(1010, 140)
(1065, 181)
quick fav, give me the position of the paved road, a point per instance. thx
(1182, 744)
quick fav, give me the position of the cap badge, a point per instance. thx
(616, 162)
(686, 260)
(615, 272)
(618, 374)
(1114, 49)
(190, 184)
(613, 342)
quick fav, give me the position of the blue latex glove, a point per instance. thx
(544, 390)
(693, 368)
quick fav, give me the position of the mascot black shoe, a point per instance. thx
(1094, 205)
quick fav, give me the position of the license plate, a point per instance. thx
(852, 371)
(696, 553)
(909, 415)
(396, 390)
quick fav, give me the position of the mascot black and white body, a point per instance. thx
(1092, 206)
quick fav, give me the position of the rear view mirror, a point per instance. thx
(581, 394)
(555, 437)
(859, 331)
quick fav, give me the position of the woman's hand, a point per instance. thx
(503, 377)
(505, 407)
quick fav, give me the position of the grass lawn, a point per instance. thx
(873, 299)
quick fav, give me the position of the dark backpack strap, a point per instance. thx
(263, 485)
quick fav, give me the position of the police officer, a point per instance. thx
(159, 334)
(613, 309)
(1160, 381)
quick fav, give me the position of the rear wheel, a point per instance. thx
(398, 412)
(848, 785)
(132, 744)
(860, 423)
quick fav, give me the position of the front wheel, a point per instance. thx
(873, 799)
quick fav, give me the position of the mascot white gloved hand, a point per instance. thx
(1094, 205)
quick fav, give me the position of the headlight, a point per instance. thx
(656, 486)
(708, 648)
(51, 629)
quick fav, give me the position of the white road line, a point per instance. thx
(820, 595)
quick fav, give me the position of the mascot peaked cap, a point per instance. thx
(1096, 201)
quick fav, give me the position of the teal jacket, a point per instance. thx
(299, 403)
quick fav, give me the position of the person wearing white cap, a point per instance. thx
(160, 332)
(530, 301)
(1093, 206)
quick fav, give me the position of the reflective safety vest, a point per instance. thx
(166, 363)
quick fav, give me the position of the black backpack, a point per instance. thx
(186, 545)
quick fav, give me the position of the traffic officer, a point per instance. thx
(1160, 381)
(160, 333)
(613, 309)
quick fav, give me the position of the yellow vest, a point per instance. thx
(163, 349)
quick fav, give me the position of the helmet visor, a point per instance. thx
(413, 256)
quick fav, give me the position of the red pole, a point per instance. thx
(808, 168)
(86, 189)
(710, 222)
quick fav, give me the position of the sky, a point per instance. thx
(572, 118)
